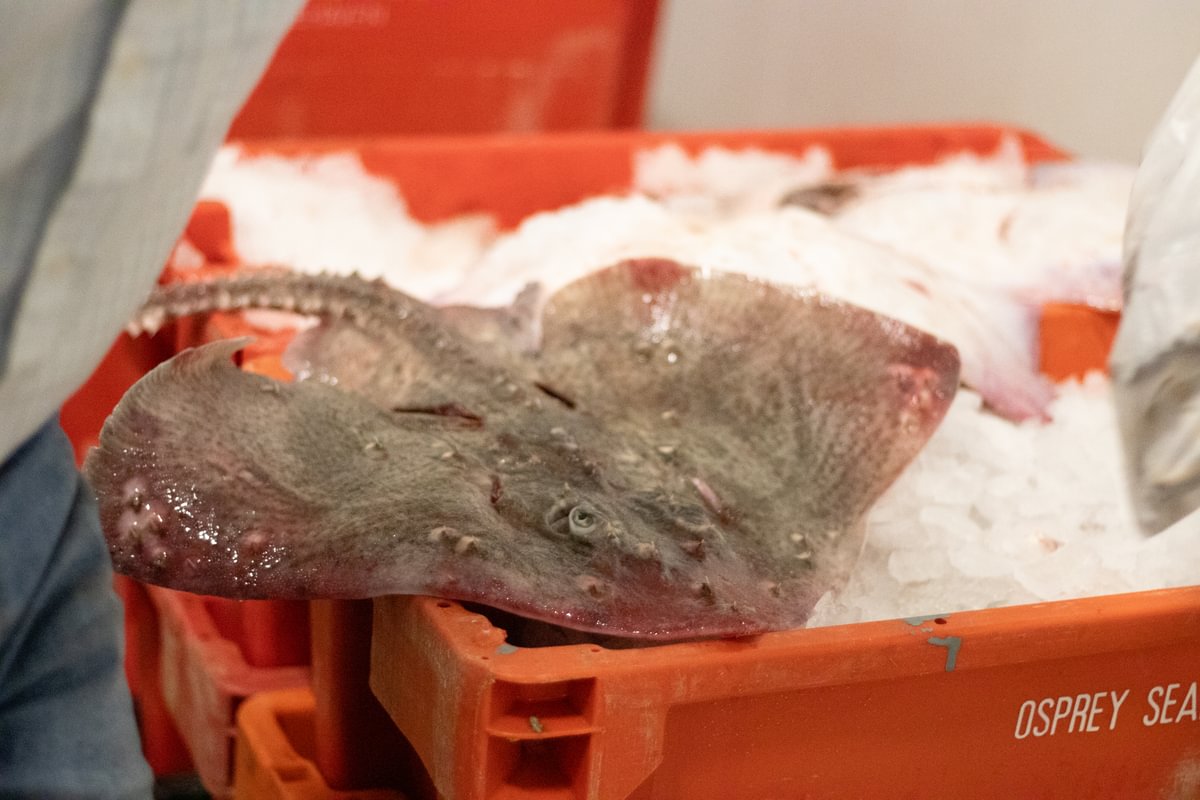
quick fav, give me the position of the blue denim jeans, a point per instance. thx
(67, 727)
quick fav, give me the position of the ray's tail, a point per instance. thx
(367, 303)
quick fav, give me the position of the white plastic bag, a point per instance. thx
(1155, 361)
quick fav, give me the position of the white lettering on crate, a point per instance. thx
(1070, 713)
(1170, 703)
(1092, 712)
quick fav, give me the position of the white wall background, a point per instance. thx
(1091, 76)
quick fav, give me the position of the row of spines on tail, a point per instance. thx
(368, 303)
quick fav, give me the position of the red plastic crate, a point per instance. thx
(931, 705)
(275, 752)
(1074, 339)
(512, 176)
(928, 705)
(378, 67)
(288, 746)
(356, 745)
(267, 633)
(205, 676)
(161, 744)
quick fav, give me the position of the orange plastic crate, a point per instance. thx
(275, 752)
(1015, 702)
(1003, 703)
(162, 746)
(290, 746)
(512, 176)
(205, 675)
(889, 709)
(377, 67)
(933, 706)
(1075, 339)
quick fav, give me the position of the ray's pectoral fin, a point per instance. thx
(786, 413)
(217, 481)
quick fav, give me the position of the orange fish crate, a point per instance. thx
(206, 669)
(1086, 698)
(1062, 700)
(276, 750)
(380, 67)
(162, 746)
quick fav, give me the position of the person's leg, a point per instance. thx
(67, 728)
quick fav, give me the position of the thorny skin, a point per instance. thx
(678, 456)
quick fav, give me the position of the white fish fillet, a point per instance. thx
(1055, 240)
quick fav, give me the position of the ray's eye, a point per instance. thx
(577, 521)
(581, 520)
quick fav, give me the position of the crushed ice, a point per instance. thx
(991, 513)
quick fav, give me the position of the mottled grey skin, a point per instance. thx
(680, 456)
